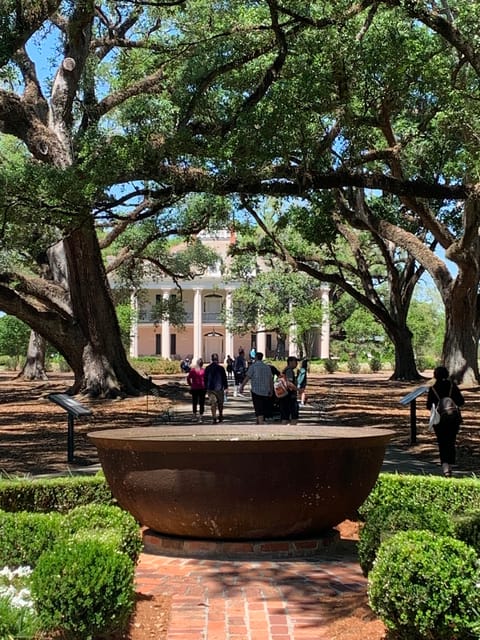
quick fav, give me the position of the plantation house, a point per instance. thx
(207, 300)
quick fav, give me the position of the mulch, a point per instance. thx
(33, 430)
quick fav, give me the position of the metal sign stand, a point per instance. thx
(74, 410)
(411, 398)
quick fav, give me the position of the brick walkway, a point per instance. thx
(247, 599)
(254, 599)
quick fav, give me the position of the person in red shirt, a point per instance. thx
(196, 381)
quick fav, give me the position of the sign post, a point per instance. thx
(74, 410)
(411, 398)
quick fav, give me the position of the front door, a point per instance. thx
(213, 344)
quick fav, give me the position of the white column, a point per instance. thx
(261, 338)
(134, 325)
(166, 329)
(292, 340)
(325, 330)
(292, 337)
(228, 333)
(197, 325)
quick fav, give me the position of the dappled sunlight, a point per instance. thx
(33, 430)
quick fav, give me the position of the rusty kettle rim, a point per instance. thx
(240, 432)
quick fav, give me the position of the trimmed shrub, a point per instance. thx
(155, 365)
(58, 363)
(330, 365)
(83, 588)
(426, 361)
(375, 364)
(467, 528)
(449, 495)
(424, 587)
(25, 536)
(383, 523)
(353, 365)
(109, 518)
(4, 361)
(400, 502)
(53, 494)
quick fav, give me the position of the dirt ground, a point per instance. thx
(33, 441)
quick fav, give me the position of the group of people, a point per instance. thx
(212, 382)
(265, 380)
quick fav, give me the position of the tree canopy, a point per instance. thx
(128, 108)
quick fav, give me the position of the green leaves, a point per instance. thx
(425, 586)
(14, 336)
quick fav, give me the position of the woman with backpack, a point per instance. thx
(447, 398)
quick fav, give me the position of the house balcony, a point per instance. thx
(149, 317)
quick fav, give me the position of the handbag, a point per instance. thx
(434, 417)
(280, 388)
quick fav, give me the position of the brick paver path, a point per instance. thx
(246, 600)
(254, 599)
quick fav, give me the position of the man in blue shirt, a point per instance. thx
(261, 380)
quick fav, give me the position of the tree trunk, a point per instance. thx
(460, 346)
(105, 368)
(34, 367)
(54, 268)
(81, 322)
(308, 342)
(405, 365)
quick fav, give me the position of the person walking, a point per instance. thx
(216, 384)
(447, 397)
(185, 364)
(288, 403)
(196, 381)
(239, 370)
(302, 382)
(272, 406)
(260, 377)
(229, 362)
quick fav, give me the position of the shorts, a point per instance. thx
(216, 398)
(261, 404)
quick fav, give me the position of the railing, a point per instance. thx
(211, 317)
(146, 317)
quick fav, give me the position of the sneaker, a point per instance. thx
(200, 418)
(220, 418)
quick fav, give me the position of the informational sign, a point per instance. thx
(74, 410)
(413, 395)
(411, 399)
